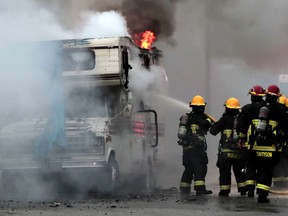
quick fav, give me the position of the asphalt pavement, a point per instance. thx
(159, 202)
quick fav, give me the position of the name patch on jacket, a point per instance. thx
(233, 155)
(263, 154)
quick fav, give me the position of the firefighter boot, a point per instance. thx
(184, 191)
(203, 192)
(263, 199)
(242, 191)
(251, 193)
(185, 195)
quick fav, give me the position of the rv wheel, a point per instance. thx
(112, 174)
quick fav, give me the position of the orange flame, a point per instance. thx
(148, 38)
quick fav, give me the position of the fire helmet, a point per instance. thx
(282, 100)
(197, 101)
(257, 90)
(273, 90)
(232, 103)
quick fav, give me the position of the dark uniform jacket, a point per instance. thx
(243, 117)
(197, 127)
(280, 175)
(228, 140)
(278, 122)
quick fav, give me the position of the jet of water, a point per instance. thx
(174, 102)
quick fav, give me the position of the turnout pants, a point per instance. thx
(195, 162)
(280, 176)
(259, 172)
(225, 166)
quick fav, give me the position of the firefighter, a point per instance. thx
(262, 125)
(256, 96)
(229, 155)
(192, 130)
(280, 176)
(256, 93)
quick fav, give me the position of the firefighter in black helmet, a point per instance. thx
(192, 130)
(229, 155)
(263, 123)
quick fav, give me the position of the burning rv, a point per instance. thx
(100, 126)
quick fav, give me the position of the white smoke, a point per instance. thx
(26, 66)
(28, 22)
(23, 22)
(104, 24)
(22, 70)
(147, 83)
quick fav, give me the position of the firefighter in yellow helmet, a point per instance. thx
(263, 124)
(230, 156)
(282, 100)
(280, 176)
(192, 130)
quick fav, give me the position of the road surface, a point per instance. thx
(162, 202)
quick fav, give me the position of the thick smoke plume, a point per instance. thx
(140, 15)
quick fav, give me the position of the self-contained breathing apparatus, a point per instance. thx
(262, 126)
(182, 129)
(230, 148)
(190, 135)
(234, 138)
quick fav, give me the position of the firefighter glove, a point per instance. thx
(241, 143)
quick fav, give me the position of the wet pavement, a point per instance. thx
(160, 202)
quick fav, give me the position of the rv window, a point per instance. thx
(92, 102)
(78, 59)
